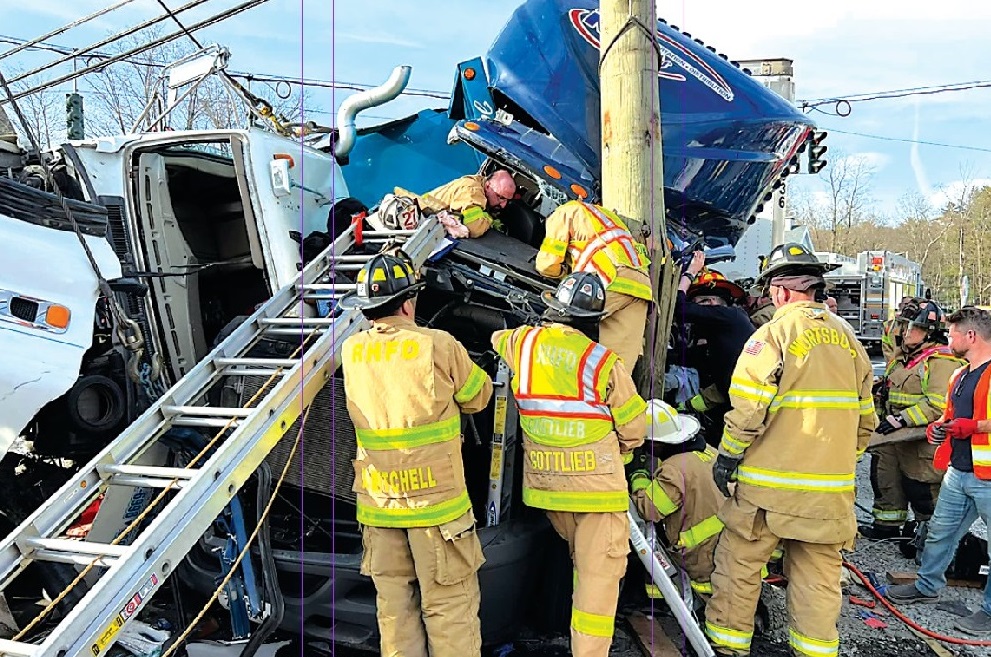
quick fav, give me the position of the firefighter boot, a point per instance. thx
(879, 532)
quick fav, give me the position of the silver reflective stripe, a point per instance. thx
(831, 483)
(562, 406)
(595, 358)
(526, 357)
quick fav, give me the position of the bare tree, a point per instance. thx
(848, 183)
(121, 91)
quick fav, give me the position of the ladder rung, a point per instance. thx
(18, 649)
(292, 331)
(261, 362)
(77, 547)
(210, 422)
(206, 411)
(74, 559)
(297, 321)
(353, 258)
(345, 266)
(138, 481)
(151, 471)
(329, 287)
(254, 372)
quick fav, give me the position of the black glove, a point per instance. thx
(889, 424)
(724, 471)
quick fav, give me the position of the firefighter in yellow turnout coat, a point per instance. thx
(582, 418)
(420, 547)
(914, 394)
(585, 237)
(681, 492)
(472, 197)
(802, 415)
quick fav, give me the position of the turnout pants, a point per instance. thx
(426, 586)
(903, 474)
(622, 328)
(599, 544)
(814, 596)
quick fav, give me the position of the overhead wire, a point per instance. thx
(100, 44)
(896, 93)
(910, 141)
(216, 18)
(65, 28)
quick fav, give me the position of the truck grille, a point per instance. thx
(321, 463)
(23, 309)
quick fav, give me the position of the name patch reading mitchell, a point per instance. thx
(548, 461)
(809, 339)
(385, 351)
(397, 482)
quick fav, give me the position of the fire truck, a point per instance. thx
(869, 287)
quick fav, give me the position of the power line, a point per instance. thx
(910, 141)
(251, 77)
(893, 93)
(64, 28)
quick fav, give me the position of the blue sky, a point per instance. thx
(840, 48)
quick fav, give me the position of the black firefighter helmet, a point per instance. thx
(383, 279)
(791, 259)
(928, 316)
(580, 295)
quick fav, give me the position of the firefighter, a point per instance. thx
(581, 418)
(891, 331)
(582, 237)
(472, 197)
(681, 492)
(802, 415)
(914, 385)
(760, 308)
(707, 301)
(420, 547)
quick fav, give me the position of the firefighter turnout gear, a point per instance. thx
(465, 196)
(902, 473)
(420, 544)
(762, 314)
(682, 495)
(585, 237)
(802, 415)
(582, 418)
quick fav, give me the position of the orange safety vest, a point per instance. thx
(612, 247)
(980, 444)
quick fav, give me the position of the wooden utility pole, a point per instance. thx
(632, 161)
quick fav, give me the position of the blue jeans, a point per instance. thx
(962, 498)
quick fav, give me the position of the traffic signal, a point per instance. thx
(74, 124)
(816, 150)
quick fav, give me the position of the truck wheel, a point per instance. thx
(96, 403)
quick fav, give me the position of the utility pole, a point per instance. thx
(632, 161)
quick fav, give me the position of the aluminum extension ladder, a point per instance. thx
(126, 576)
(661, 569)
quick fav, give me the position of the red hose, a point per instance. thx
(905, 619)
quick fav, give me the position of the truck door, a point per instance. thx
(291, 187)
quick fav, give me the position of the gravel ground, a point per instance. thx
(857, 638)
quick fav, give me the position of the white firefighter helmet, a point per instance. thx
(664, 425)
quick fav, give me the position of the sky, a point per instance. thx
(840, 48)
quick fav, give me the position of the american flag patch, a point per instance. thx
(753, 347)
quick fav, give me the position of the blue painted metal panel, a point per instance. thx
(412, 153)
